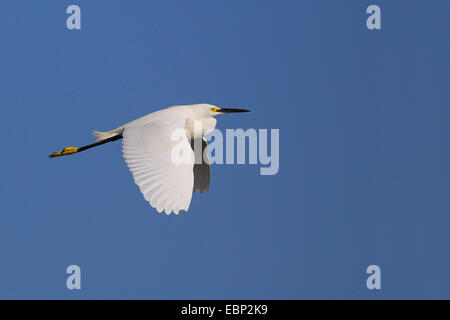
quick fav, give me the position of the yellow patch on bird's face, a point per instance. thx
(215, 109)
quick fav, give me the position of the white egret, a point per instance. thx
(147, 147)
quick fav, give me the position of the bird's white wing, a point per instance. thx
(148, 151)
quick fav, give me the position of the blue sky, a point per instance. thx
(364, 149)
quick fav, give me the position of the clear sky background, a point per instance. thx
(364, 149)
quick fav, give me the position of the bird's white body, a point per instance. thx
(192, 113)
(150, 147)
(147, 149)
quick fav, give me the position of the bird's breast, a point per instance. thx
(200, 128)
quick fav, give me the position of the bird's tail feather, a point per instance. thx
(99, 135)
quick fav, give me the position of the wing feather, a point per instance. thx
(202, 170)
(147, 149)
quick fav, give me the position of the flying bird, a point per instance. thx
(147, 146)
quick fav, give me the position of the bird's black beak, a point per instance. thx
(230, 110)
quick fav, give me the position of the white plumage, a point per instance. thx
(149, 144)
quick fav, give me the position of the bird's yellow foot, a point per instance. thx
(64, 152)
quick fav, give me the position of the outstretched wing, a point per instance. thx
(202, 170)
(148, 151)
